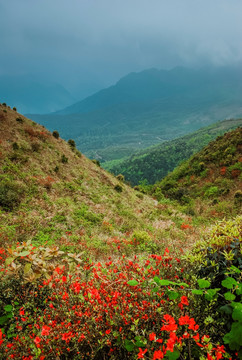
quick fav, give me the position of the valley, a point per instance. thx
(91, 268)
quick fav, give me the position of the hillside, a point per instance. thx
(91, 269)
(155, 163)
(146, 108)
(210, 181)
(51, 193)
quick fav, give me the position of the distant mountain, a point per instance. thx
(145, 108)
(155, 163)
(29, 95)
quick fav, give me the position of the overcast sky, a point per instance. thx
(92, 43)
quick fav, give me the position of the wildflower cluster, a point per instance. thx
(117, 309)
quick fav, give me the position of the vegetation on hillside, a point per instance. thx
(146, 108)
(213, 175)
(92, 269)
(155, 163)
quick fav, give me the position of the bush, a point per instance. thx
(10, 195)
(56, 134)
(64, 159)
(96, 162)
(20, 120)
(35, 146)
(120, 177)
(238, 197)
(118, 188)
(14, 108)
(72, 143)
(15, 146)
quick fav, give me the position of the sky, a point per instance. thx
(86, 45)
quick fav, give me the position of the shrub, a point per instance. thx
(120, 177)
(118, 188)
(14, 108)
(64, 159)
(10, 195)
(20, 120)
(35, 146)
(15, 146)
(212, 191)
(218, 263)
(72, 143)
(96, 162)
(56, 134)
(238, 197)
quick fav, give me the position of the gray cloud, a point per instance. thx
(96, 42)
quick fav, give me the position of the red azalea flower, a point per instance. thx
(152, 337)
(158, 354)
(45, 330)
(141, 353)
(184, 300)
(37, 340)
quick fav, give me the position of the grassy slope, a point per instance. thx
(211, 177)
(155, 163)
(74, 204)
(56, 305)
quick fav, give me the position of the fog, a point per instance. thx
(85, 45)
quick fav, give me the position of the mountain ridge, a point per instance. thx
(140, 109)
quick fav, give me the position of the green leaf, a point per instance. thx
(203, 283)
(129, 345)
(234, 337)
(229, 296)
(133, 283)
(165, 282)
(234, 269)
(210, 293)
(197, 292)
(173, 355)
(3, 319)
(9, 260)
(157, 280)
(24, 253)
(239, 289)
(139, 342)
(27, 267)
(172, 294)
(8, 308)
(183, 284)
(237, 312)
(229, 283)
(227, 309)
(156, 289)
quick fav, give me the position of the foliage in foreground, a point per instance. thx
(56, 305)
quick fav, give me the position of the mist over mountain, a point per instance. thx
(148, 107)
(30, 95)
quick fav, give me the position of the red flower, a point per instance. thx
(37, 340)
(158, 354)
(171, 324)
(184, 300)
(21, 312)
(141, 353)
(152, 337)
(45, 330)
